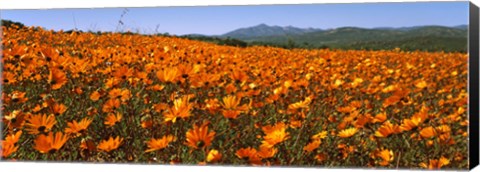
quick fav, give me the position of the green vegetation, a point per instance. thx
(220, 41)
(9, 23)
(427, 38)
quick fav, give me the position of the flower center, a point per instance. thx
(200, 143)
(52, 150)
(42, 128)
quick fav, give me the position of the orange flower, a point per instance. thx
(239, 77)
(185, 71)
(428, 132)
(181, 109)
(168, 75)
(346, 150)
(111, 105)
(381, 117)
(443, 132)
(312, 145)
(18, 97)
(275, 134)
(212, 105)
(57, 78)
(16, 119)
(74, 127)
(122, 94)
(59, 109)
(199, 137)
(231, 106)
(249, 154)
(95, 96)
(233, 114)
(387, 129)
(301, 104)
(230, 88)
(159, 144)
(266, 151)
(115, 93)
(409, 124)
(110, 144)
(9, 144)
(270, 129)
(112, 119)
(8, 149)
(347, 132)
(391, 100)
(230, 102)
(123, 73)
(321, 157)
(13, 138)
(50, 143)
(214, 156)
(386, 156)
(9, 78)
(346, 109)
(436, 164)
(40, 123)
(146, 122)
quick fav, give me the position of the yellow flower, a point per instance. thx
(214, 156)
(320, 135)
(348, 132)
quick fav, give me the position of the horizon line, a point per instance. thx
(246, 27)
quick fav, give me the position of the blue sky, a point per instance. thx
(212, 20)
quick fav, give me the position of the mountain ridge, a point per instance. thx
(427, 37)
(263, 29)
(266, 30)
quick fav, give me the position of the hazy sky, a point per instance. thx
(211, 20)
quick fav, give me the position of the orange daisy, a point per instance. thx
(77, 128)
(50, 143)
(159, 144)
(40, 123)
(199, 137)
(110, 144)
(112, 119)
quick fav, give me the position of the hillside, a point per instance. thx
(430, 38)
(265, 30)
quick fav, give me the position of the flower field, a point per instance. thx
(128, 98)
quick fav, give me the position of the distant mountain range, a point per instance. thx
(432, 38)
(265, 30)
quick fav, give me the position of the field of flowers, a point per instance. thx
(111, 97)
